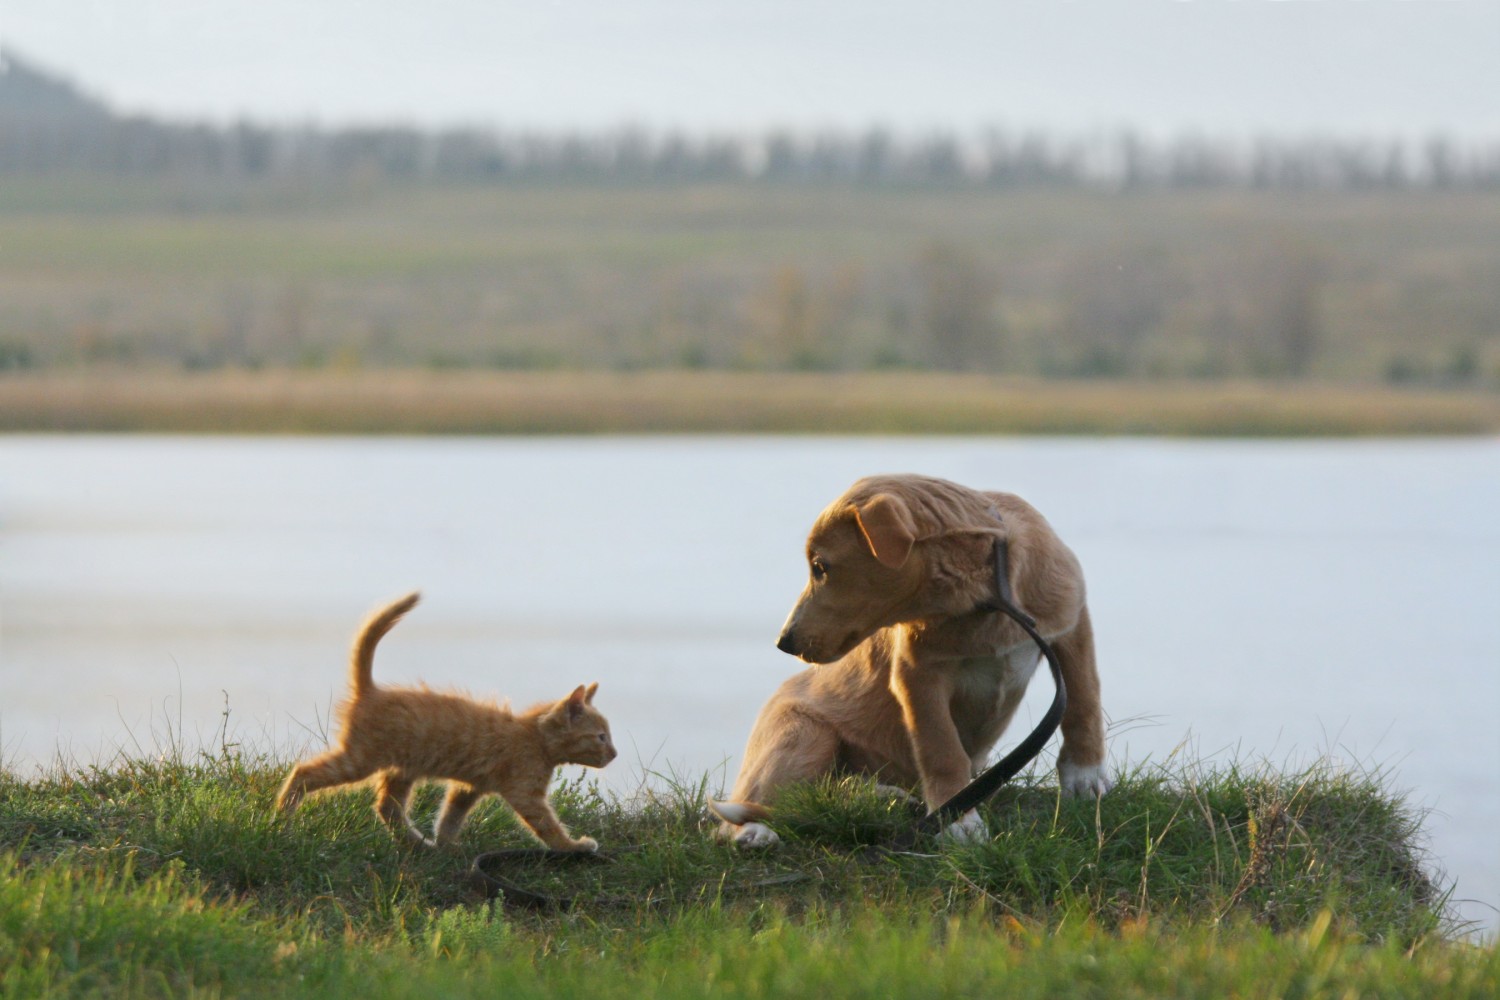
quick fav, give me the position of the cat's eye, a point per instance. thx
(603, 737)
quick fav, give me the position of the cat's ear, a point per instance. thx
(588, 697)
(576, 701)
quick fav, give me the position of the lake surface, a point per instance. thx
(1254, 601)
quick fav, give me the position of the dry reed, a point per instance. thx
(491, 402)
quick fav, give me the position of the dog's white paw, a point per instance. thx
(756, 835)
(1083, 779)
(967, 829)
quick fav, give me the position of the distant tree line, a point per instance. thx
(1124, 161)
(46, 126)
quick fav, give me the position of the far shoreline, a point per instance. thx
(504, 402)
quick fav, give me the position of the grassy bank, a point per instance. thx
(475, 402)
(1372, 285)
(174, 878)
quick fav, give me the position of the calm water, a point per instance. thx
(1253, 601)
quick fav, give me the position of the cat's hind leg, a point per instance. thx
(392, 793)
(336, 767)
(457, 802)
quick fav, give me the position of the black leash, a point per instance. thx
(486, 872)
(988, 783)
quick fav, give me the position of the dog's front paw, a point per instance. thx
(584, 845)
(756, 835)
(1083, 779)
(901, 795)
(967, 829)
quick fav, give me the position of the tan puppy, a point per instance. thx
(919, 681)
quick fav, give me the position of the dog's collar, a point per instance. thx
(1004, 600)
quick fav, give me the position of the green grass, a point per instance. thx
(173, 877)
(1207, 284)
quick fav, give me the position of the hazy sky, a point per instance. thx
(1220, 67)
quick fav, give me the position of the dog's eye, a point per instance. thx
(603, 737)
(819, 571)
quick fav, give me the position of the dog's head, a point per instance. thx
(871, 564)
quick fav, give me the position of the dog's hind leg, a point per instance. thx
(787, 745)
(1081, 762)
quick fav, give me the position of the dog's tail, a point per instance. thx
(740, 813)
(362, 658)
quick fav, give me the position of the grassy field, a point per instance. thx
(1063, 283)
(173, 877)
(476, 402)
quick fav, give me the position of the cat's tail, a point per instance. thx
(362, 658)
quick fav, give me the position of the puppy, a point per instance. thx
(917, 678)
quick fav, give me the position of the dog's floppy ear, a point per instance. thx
(888, 528)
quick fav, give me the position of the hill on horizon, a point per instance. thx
(29, 91)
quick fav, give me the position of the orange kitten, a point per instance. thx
(404, 735)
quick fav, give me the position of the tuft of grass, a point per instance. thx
(174, 877)
(93, 927)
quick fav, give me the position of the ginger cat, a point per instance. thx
(404, 735)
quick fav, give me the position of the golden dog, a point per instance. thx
(920, 678)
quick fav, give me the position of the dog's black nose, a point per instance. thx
(787, 643)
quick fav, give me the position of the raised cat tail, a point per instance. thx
(362, 658)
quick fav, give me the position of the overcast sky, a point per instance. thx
(1218, 67)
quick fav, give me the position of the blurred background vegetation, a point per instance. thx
(136, 242)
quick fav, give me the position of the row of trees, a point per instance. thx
(47, 125)
(995, 158)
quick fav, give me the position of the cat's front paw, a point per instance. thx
(584, 845)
